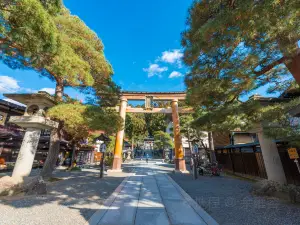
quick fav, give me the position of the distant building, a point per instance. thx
(148, 143)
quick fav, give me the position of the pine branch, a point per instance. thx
(271, 66)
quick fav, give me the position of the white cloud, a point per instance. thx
(175, 74)
(8, 84)
(29, 90)
(13, 101)
(155, 69)
(172, 56)
(51, 91)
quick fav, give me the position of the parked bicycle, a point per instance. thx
(212, 169)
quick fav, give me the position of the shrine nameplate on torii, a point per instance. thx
(149, 98)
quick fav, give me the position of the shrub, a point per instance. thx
(108, 160)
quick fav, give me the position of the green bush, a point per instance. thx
(108, 160)
(10, 166)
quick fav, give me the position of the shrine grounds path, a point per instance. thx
(150, 197)
(228, 200)
(70, 201)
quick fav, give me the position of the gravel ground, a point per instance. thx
(72, 200)
(229, 202)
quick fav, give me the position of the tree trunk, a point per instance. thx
(73, 156)
(211, 147)
(59, 90)
(132, 148)
(294, 68)
(55, 137)
(189, 140)
(132, 140)
(54, 147)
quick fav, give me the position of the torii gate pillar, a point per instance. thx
(119, 138)
(179, 154)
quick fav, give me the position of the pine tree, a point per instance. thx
(44, 36)
(236, 46)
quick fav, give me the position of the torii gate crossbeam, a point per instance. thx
(174, 97)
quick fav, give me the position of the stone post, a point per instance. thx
(119, 138)
(27, 152)
(272, 159)
(179, 154)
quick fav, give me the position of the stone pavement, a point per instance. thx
(230, 202)
(150, 196)
(70, 201)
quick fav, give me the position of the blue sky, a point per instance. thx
(141, 39)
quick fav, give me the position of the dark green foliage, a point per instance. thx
(135, 126)
(162, 140)
(236, 46)
(155, 122)
(79, 120)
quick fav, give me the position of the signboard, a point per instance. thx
(103, 148)
(149, 102)
(195, 149)
(2, 118)
(293, 153)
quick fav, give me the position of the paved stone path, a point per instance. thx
(70, 201)
(229, 201)
(150, 196)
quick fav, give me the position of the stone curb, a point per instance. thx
(198, 209)
(97, 216)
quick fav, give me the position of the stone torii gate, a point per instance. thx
(149, 97)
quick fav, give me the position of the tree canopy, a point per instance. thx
(44, 36)
(155, 122)
(236, 46)
(162, 140)
(79, 120)
(135, 126)
(29, 36)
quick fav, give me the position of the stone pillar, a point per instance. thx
(272, 160)
(119, 138)
(27, 152)
(179, 155)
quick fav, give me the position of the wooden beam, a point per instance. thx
(156, 110)
(157, 96)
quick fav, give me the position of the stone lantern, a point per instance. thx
(33, 121)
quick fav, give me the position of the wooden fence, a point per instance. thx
(247, 159)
